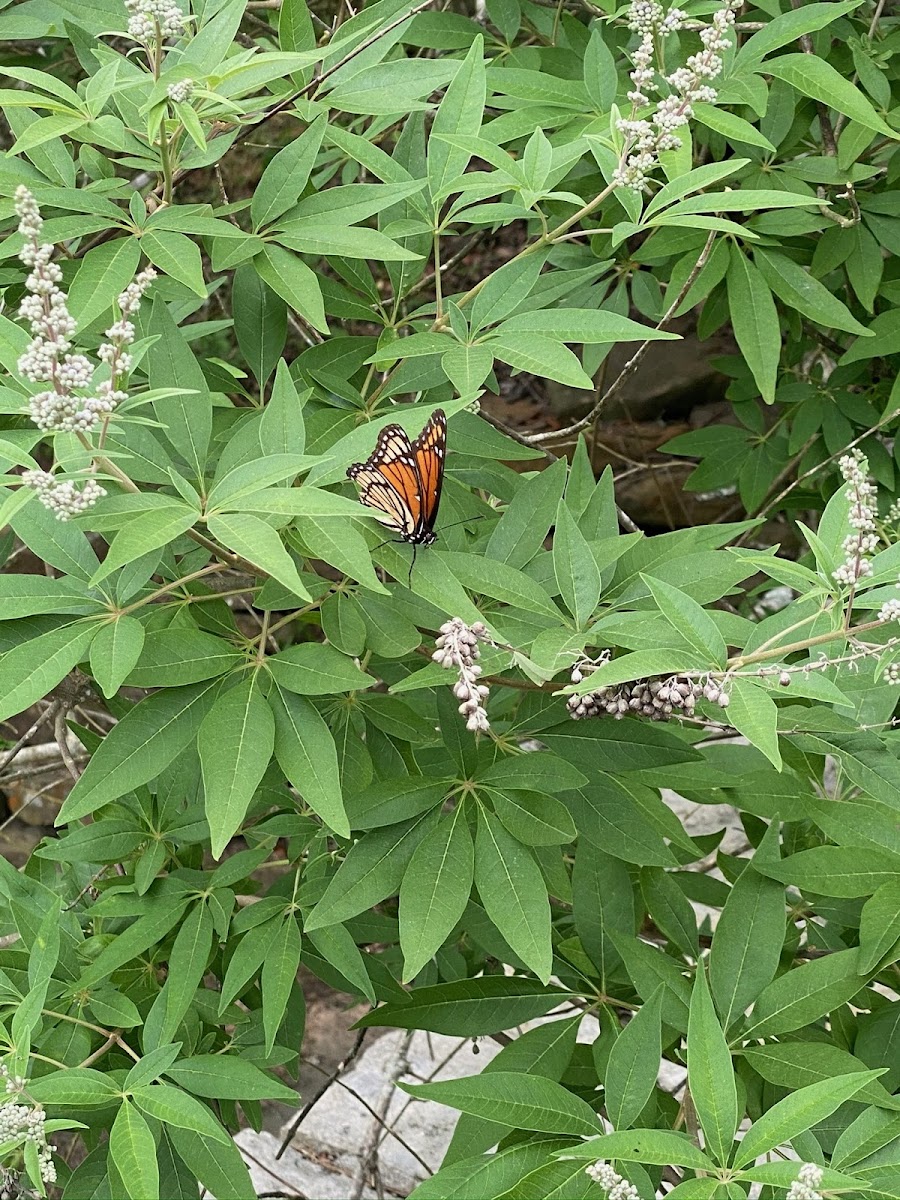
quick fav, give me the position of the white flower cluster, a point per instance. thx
(26, 1121)
(180, 92)
(65, 498)
(617, 1188)
(457, 647)
(863, 541)
(807, 1183)
(151, 19)
(892, 674)
(645, 139)
(47, 359)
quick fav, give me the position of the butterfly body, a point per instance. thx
(402, 479)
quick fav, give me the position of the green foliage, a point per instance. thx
(275, 768)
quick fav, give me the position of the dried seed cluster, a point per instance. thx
(658, 699)
(457, 646)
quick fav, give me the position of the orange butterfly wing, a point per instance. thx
(429, 451)
(402, 480)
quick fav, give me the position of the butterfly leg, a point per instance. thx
(412, 563)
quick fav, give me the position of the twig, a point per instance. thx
(314, 84)
(632, 364)
(401, 1065)
(310, 1105)
(46, 715)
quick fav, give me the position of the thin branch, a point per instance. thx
(48, 714)
(310, 1105)
(632, 364)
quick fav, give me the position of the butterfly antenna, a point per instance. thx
(412, 563)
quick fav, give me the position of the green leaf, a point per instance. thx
(513, 892)
(313, 669)
(152, 1065)
(753, 712)
(710, 1073)
(798, 1064)
(458, 115)
(282, 428)
(285, 178)
(670, 909)
(435, 890)
(879, 929)
(235, 743)
(176, 255)
(372, 870)
(532, 771)
(260, 321)
(174, 657)
(31, 669)
(104, 272)
(805, 994)
(499, 581)
(514, 1099)
(115, 650)
(279, 975)
(144, 532)
(132, 1149)
(305, 750)
(575, 568)
(735, 128)
(800, 290)
(747, 943)
(188, 960)
(588, 325)
(815, 77)
(505, 289)
(541, 356)
(633, 1064)
(521, 531)
(534, 818)
(260, 544)
(245, 481)
(843, 871)
(149, 737)
(226, 1077)
(310, 235)
(80, 1087)
(187, 420)
(468, 1007)
(602, 903)
(219, 1167)
(755, 321)
(798, 1113)
(467, 367)
(545, 1050)
(174, 1107)
(485, 1175)
(786, 27)
(296, 283)
(660, 1146)
(687, 617)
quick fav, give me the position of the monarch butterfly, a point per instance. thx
(402, 480)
